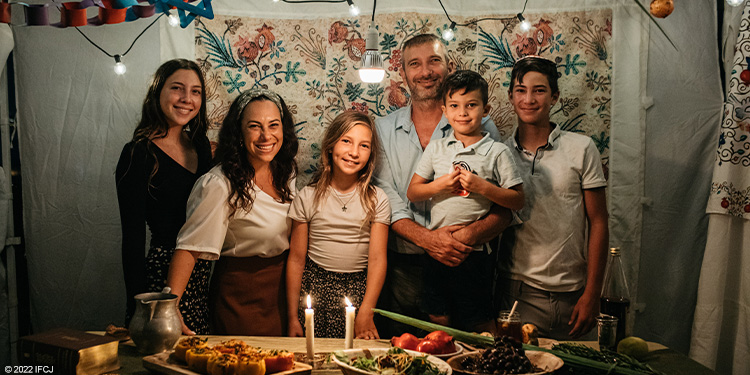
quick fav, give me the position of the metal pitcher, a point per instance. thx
(155, 326)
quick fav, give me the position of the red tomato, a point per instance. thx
(406, 341)
(443, 340)
(439, 336)
(279, 362)
(428, 346)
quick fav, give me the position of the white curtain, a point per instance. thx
(721, 328)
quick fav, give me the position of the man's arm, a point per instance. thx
(439, 243)
(587, 308)
(485, 229)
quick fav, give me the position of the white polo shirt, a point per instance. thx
(549, 251)
(486, 158)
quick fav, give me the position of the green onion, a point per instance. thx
(469, 338)
(485, 341)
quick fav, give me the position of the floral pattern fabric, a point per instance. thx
(730, 187)
(312, 64)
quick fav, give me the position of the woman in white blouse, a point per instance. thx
(237, 213)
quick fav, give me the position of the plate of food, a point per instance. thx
(437, 343)
(193, 355)
(506, 357)
(391, 361)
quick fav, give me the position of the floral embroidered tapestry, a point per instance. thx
(313, 65)
(730, 187)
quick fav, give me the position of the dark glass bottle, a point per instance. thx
(615, 299)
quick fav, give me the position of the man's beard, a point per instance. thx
(422, 94)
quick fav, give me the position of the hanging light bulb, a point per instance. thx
(525, 24)
(276, 1)
(173, 19)
(119, 66)
(353, 9)
(449, 33)
(372, 70)
(735, 3)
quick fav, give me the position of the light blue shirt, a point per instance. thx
(401, 154)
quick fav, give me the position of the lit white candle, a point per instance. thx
(349, 335)
(310, 329)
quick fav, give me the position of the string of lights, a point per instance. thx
(449, 33)
(119, 65)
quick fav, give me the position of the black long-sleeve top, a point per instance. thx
(159, 203)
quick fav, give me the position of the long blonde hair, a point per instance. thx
(324, 175)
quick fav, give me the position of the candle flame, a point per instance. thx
(309, 302)
(348, 303)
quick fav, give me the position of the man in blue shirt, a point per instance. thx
(404, 135)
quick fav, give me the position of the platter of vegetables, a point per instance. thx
(392, 361)
(437, 343)
(193, 355)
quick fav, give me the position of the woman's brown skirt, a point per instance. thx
(248, 296)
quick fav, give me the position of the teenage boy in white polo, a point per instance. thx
(555, 277)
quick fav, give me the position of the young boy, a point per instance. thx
(464, 174)
(552, 273)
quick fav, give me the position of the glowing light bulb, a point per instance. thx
(525, 25)
(448, 33)
(353, 9)
(372, 70)
(735, 3)
(276, 1)
(119, 66)
(173, 20)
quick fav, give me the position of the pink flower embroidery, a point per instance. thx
(265, 37)
(247, 48)
(337, 33)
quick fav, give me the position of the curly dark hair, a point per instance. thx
(153, 124)
(231, 154)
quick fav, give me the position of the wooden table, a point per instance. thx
(660, 357)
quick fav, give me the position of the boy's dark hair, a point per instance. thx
(535, 64)
(467, 81)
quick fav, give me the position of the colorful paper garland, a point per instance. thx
(73, 14)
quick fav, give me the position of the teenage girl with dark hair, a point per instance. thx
(154, 175)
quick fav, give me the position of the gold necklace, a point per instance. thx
(338, 198)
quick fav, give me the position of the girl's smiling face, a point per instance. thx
(180, 98)
(352, 151)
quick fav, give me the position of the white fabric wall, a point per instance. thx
(681, 138)
(76, 115)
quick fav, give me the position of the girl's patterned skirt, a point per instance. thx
(194, 301)
(328, 290)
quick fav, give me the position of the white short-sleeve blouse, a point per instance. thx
(262, 231)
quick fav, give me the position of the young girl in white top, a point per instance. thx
(339, 233)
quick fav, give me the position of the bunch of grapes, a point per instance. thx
(506, 357)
